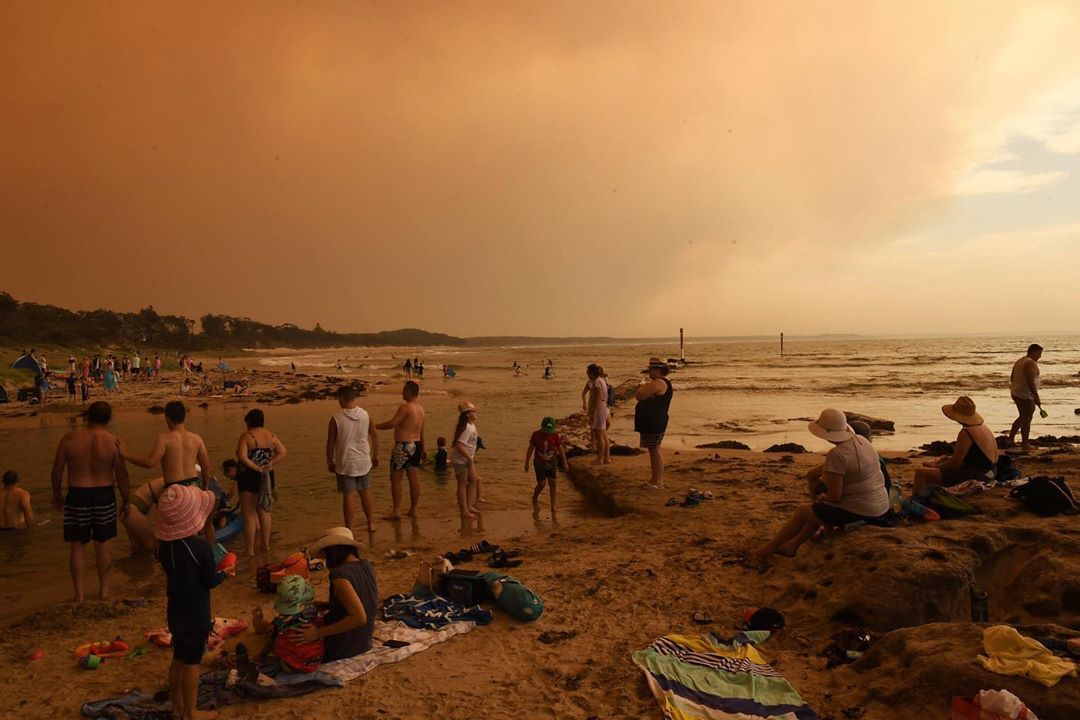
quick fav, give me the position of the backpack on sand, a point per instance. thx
(1047, 496)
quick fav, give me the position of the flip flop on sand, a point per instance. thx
(701, 617)
(500, 559)
(672, 502)
(482, 547)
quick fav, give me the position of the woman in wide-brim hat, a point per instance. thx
(653, 398)
(348, 624)
(854, 488)
(974, 456)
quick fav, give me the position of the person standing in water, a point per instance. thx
(651, 417)
(408, 452)
(95, 469)
(599, 413)
(463, 457)
(258, 450)
(181, 454)
(352, 451)
(1024, 387)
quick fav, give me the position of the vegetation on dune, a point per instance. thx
(25, 324)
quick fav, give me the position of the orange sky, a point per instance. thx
(595, 168)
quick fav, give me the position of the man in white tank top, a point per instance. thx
(1024, 386)
(352, 450)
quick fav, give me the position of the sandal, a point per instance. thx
(672, 502)
(483, 547)
(701, 617)
(499, 559)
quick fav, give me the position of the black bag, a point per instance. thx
(1047, 496)
(1006, 469)
(465, 587)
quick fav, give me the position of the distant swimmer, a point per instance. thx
(1024, 387)
(95, 470)
(408, 450)
(15, 510)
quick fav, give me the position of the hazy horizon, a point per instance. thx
(559, 170)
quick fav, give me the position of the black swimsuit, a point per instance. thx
(976, 466)
(248, 480)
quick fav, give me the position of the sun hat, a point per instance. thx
(656, 363)
(962, 411)
(548, 424)
(465, 406)
(182, 511)
(335, 536)
(294, 593)
(832, 425)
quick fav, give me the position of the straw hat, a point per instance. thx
(182, 511)
(335, 536)
(465, 406)
(656, 363)
(832, 425)
(962, 411)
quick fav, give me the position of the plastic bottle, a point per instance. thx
(980, 606)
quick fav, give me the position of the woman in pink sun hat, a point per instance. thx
(191, 571)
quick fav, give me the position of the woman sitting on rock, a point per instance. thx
(974, 456)
(855, 488)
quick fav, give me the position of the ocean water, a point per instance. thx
(730, 390)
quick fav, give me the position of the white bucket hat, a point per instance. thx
(335, 536)
(832, 425)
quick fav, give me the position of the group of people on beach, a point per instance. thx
(852, 486)
(105, 370)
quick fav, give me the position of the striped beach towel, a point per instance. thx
(702, 677)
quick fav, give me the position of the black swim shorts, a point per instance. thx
(189, 649)
(90, 514)
(838, 517)
(405, 455)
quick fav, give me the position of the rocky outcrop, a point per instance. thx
(876, 424)
(794, 448)
(724, 445)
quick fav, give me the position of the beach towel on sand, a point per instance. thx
(213, 693)
(1010, 653)
(702, 677)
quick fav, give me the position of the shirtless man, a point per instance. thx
(181, 453)
(15, 511)
(408, 452)
(1024, 386)
(94, 466)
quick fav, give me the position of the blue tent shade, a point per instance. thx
(27, 363)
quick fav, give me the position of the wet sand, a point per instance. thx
(612, 584)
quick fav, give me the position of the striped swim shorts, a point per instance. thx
(90, 514)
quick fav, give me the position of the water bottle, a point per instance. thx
(980, 607)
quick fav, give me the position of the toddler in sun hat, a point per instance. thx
(190, 571)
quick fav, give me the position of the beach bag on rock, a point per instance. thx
(465, 587)
(514, 598)
(1046, 496)
(299, 657)
(268, 576)
(949, 506)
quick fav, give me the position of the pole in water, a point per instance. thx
(781, 344)
(682, 357)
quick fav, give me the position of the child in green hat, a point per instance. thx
(549, 455)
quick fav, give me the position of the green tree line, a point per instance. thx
(33, 324)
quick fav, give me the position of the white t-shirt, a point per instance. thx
(352, 452)
(468, 439)
(864, 490)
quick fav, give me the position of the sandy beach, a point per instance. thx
(614, 582)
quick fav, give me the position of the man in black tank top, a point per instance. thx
(651, 416)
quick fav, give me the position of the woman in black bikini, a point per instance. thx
(974, 457)
(258, 451)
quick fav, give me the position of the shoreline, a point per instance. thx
(611, 585)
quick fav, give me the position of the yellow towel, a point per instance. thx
(1010, 653)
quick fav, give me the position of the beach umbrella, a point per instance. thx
(26, 362)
